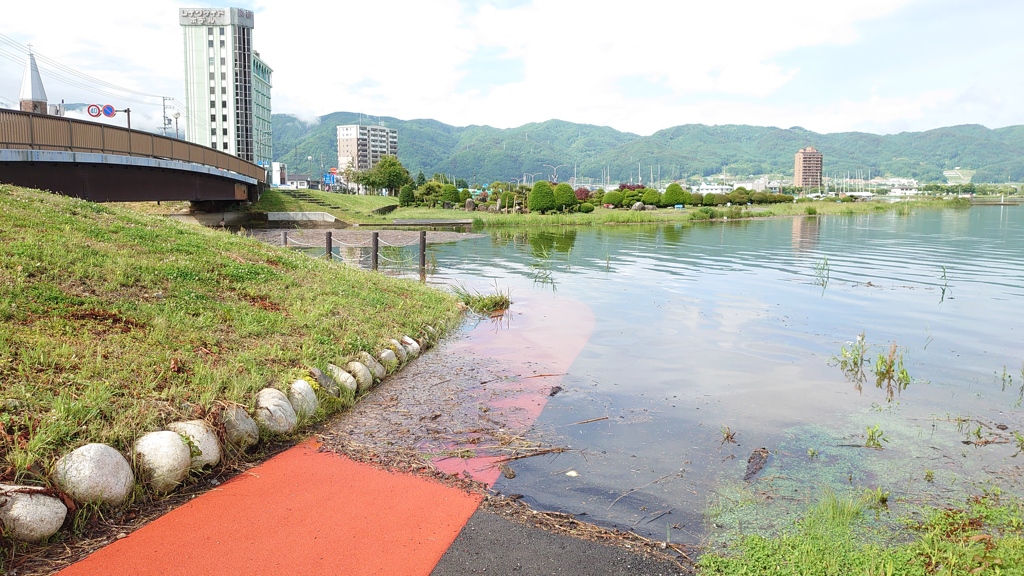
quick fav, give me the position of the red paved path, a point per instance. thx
(302, 512)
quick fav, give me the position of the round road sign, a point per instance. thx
(93, 110)
(109, 111)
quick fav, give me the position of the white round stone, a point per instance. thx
(344, 379)
(399, 350)
(95, 473)
(274, 411)
(389, 359)
(412, 347)
(326, 382)
(303, 398)
(27, 516)
(240, 430)
(163, 458)
(362, 374)
(370, 362)
(200, 433)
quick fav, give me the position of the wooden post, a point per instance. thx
(375, 243)
(284, 238)
(423, 255)
(330, 249)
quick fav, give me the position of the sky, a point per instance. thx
(880, 66)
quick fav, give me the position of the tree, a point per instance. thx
(449, 193)
(615, 198)
(464, 194)
(565, 197)
(673, 195)
(582, 194)
(430, 193)
(542, 197)
(389, 174)
(508, 200)
(461, 183)
(406, 197)
(420, 179)
(651, 197)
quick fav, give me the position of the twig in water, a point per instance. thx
(660, 514)
(589, 421)
(628, 492)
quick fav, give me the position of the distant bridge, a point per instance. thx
(110, 164)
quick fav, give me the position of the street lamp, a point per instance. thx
(554, 171)
(310, 160)
(176, 116)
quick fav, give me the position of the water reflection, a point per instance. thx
(805, 234)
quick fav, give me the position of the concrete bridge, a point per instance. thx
(108, 164)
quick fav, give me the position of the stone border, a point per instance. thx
(160, 460)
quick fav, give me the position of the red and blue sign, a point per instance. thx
(109, 111)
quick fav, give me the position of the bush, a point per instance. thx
(811, 210)
(721, 199)
(508, 200)
(542, 197)
(673, 195)
(586, 208)
(615, 198)
(709, 200)
(406, 196)
(582, 194)
(464, 195)
(759, 198)
(696, 198)
(651, 196)
(450, 194)
(597, 196)
(704, 213)
(565, 197)
(630, 197)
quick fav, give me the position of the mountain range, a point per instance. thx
(482, 154)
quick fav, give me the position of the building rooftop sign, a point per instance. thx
(215, 17)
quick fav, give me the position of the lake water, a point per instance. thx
(702, 327)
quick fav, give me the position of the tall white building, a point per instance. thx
(361, 147)
(227, 86)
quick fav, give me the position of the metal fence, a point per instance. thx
(27, 131)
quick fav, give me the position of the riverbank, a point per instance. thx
(115, 323)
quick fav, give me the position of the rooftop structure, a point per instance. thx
(33, 96)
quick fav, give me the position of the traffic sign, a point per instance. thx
(93, 110)
(108, 111)
(334, 170)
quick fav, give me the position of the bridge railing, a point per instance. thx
(27, 131)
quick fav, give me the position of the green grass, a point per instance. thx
(351, 208)
(836, 537)
(114, 323)
(482, 303)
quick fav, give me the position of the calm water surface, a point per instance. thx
(733, 325)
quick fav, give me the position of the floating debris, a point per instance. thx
(555, 390)
(758, 458)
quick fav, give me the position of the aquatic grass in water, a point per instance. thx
(851, 361)
(486, 304)
(822, 272)
(890, 372)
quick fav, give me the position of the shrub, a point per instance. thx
(406, 196)
(542, 197)
(630, 197)
(464, 195)
(582, 194)
(696, 198)
(565, 197)
(811, 210)
(597, 196)
(759, 198)
(704, 213)
(450, 194)
(709, 200)
(483, 197)
(615, 198)
(673, 195)
(586, 208)
(651, 196)
(508, 200)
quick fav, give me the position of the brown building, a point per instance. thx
(807, 168)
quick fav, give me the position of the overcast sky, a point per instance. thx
(880, 66)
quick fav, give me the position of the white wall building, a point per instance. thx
(227, 106)
(361, 147)
(706, 188)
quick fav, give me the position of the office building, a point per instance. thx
(227, 86)
(361, 147)
(807, 168)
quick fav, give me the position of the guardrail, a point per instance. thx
(28, 131)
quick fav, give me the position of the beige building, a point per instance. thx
(807, 168)
(361, 147)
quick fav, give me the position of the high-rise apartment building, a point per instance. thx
(361, 147)
(227, 86)
(807, 168)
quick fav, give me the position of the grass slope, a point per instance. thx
(114, 323)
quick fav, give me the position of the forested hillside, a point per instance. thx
(484, 154)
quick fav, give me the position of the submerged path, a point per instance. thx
(315, 509)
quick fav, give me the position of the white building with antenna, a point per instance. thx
(361, 147)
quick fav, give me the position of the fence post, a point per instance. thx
(423, 255)
(284, 238)
(330, 249)
(375, 242)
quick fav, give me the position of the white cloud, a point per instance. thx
(711, 62)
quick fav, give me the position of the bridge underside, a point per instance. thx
(125, 179)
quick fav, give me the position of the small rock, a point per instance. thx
(326, 382)
(204, 438)
(343, 378)
(399, 350)
(639, 206)
(163, 458)
(389, 359)
(555, 390)
(95, 473)
(274, 411)
(362, 374)
(370, 362)
(412, 347)
(28, 515)
(240, 430)
(303, 398)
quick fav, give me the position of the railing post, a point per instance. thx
(330, 249)
(423, 255)
(284, 238)
(375, 246)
